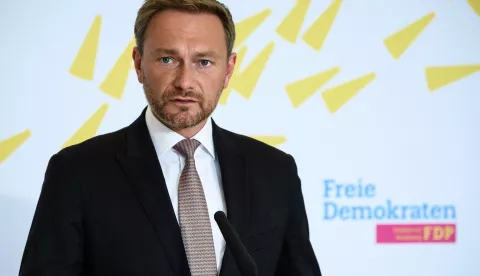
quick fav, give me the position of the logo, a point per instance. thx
(396, 221)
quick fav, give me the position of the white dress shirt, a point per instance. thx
(207, 165)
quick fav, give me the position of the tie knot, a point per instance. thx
(187, 147)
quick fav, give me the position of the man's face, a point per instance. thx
(184, 67)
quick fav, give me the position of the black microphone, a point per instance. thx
(243, 260)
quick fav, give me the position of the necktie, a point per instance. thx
(193, 215)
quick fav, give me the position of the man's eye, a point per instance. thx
(166, 59)
(204, 62)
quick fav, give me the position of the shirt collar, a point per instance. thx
(164, 138)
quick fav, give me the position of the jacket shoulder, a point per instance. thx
(99, 146)
(256, 148)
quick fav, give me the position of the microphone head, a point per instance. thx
(219, 215)
(240, 254)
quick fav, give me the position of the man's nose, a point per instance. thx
(184, 78)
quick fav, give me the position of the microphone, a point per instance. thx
(243, 260)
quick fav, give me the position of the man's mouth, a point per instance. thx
(184, 101)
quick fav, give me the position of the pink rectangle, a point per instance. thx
(416, 233)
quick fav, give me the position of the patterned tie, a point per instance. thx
(193, 215)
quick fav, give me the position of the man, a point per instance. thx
(140, 201)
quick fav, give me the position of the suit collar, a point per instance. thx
(234, 170)
(142, 168)
(235, 173)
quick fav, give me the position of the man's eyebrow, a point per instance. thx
(173, 52)
(165, 51)
(212, 54)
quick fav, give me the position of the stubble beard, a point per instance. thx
(183, 118)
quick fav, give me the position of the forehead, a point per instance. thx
(177, 29)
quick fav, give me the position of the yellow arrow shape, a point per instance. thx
(271, 140)
(399, 42)
(115, 82)
(438, 77)
(89, 128)
(475, 4)
(338, 96)
(248, 79)
(245, 28)
(84, 64)
(9, 145)
(302, 90)
(317, 33)
(291, 25)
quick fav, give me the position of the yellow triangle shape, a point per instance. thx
(317, 33)
(227, 91)
(89, 128)
(475, 4)
(271, 140)
(302, 90)
(84, 64)
(9, 145)
(247, 80)
(115, 82)
(336, 97)
(291, 25)
(438, 77)
(399, 42)
(246, 27)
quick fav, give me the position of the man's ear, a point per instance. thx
(232, 60)
(137, 62)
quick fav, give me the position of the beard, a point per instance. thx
(185, 117)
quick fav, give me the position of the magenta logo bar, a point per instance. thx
(416, 233)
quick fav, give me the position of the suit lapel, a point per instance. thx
(144, 172)
(235, 187)
(142, 168)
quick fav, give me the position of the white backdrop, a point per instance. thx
(392, 103)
